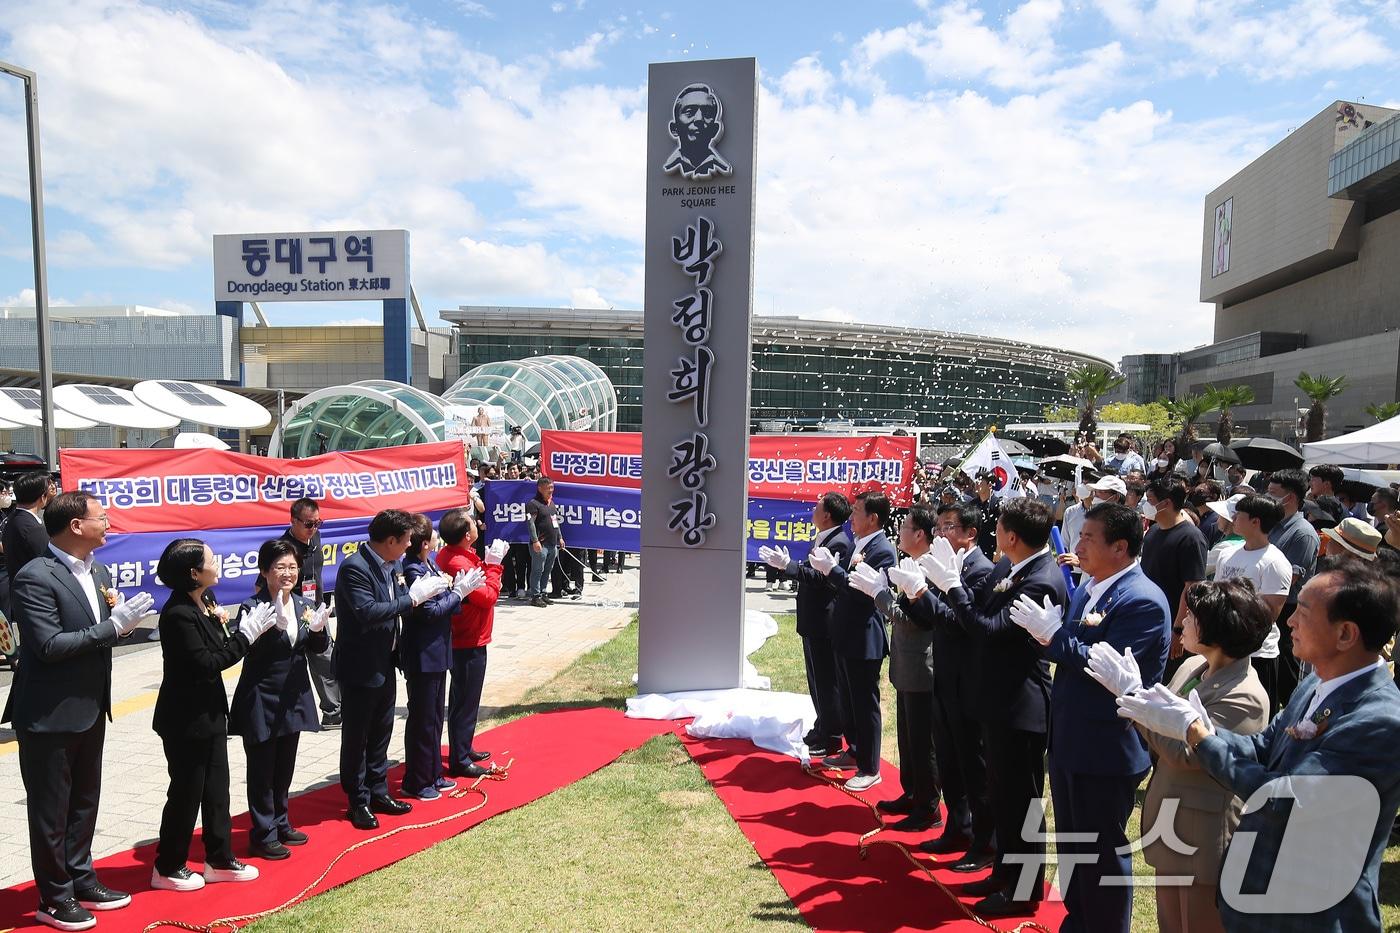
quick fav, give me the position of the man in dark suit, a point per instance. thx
(61, 699)
(1012, 698)
(816, 595)
(370, 596)
(24, 538)
(858, 637)
(304, 533)
(957, 733)
(1338, 734)
(909, 609)
(1097, 760)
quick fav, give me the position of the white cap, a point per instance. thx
(1112, 484)
(1226, 509)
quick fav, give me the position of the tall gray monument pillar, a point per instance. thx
(701, 145)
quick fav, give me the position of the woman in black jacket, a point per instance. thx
(273, 704)
(191, 716)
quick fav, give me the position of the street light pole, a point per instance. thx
(41, 286)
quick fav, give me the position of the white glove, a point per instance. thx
(1164, 712)
(468, 580)
(496, 552)
(128, 613)
(941, 566)
(426, 587)
(256, 621)
(1042, 621)
(319, 619)
(868, 580)
(822, 560)
(776, 557)
(908, 577)
(1117, 673)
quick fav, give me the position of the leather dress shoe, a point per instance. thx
(293, 837)
(946, 844)
(383, 803)
(361, 818)
(472, 770)
(974, 861)
(917, 823)
(478, 755)
(1000, 904)
(983, 888)
(897, 805)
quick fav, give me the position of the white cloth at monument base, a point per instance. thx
(775, 721)
(758, 628)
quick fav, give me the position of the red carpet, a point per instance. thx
(807, 833)
(551, 750)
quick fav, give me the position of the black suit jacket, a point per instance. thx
(313, 562)
(63, 682)
(24, 540)
(195, 650)
(367, 617)
(816, 594)
(857, 628)
(273, 697)
(1013, 677)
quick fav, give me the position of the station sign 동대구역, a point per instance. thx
(345, 265)
(695, 377)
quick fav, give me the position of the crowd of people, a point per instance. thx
(411, 597)
(1209, 637)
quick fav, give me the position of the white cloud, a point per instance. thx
(356, 322)
(584, 56)
(587, 297)
(806, 80)
(1301, 38)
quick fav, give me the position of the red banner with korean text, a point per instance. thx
(781, 466)
(196, 490)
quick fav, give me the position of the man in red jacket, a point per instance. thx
(471, 633)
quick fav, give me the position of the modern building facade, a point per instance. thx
(804, 371)
(1298, 255)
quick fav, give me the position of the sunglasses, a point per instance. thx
(313, 523)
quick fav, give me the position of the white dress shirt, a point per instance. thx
(1016, 567)
(1097, 588)
(82, 571)
(1326, 688)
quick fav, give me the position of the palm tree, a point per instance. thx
(1187, 409)
(1225, 399)
(1320, 389)
(1384, 411)
(1089, 384)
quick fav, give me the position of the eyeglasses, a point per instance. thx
(285, 568)
(96, 518)
(313, 523)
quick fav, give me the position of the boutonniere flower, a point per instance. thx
(307, 614)
(1002, 586)
(1093, 618)
(219, 614)
(399, 580)
(1310, 728)
(857, 560)
(111, 596)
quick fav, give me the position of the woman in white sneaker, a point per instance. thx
(273, 703)
(191, 716)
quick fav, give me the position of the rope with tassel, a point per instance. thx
(868, 839)
(496, 773)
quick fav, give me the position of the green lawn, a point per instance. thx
(643, 844)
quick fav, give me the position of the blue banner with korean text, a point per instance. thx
(610, 518)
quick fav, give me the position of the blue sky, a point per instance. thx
(1033, 170)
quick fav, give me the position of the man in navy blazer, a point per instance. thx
(816, 595)
(1342, 723)
(1097, 760)
(1012, 697)
(370, 596)
(859, 638)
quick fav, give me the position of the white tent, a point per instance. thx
(1380, 443)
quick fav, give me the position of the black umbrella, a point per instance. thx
(1013, 448)
(1046, 445)
(1221, 453)
(1263, 453)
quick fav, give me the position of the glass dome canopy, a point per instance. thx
(542, 393)
(360, 416)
